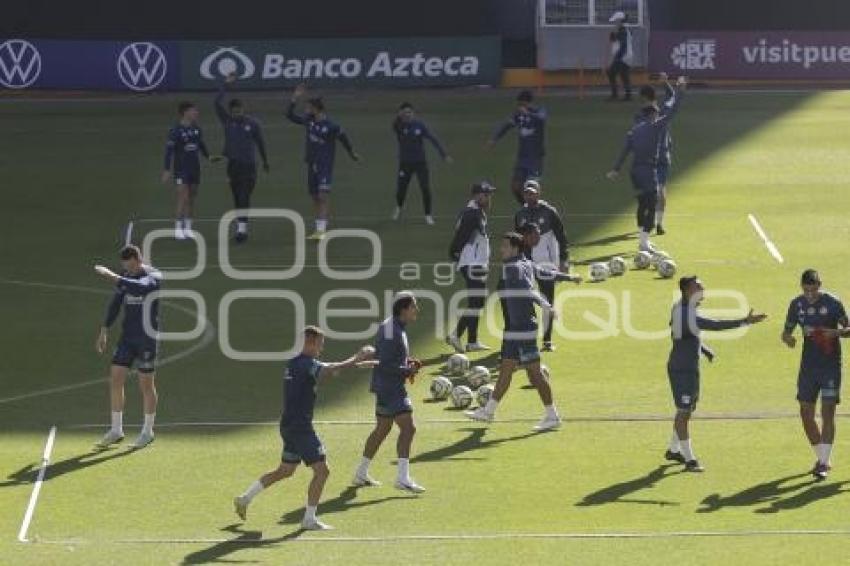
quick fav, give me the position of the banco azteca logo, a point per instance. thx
(142, 66)
(225, 61)
(20, 63)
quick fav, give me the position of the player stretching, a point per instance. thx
(320, 150)
(470, 248)
(823, 320)
(136, 345)
(644, 141)
(395, 366)
(300, 441)
(647, 94)
(519, 344)
(182, 162)
(530, 122)
(242, 139)
(550, 248)
(411, 134)
(686, 326)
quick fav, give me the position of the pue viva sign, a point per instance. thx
(752, 54)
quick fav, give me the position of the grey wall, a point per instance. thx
(573, 47)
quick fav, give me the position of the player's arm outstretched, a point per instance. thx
(704, 323)
(220, 110)
(361, 359)
(437, 145)
(504, 128)
(291, 114)
(345, 141)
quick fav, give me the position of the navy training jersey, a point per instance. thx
(826, 312)
(320, 139)
(392, 351)
(299, 392)
(519, 296)
(530, 127)
(131, 290)
(411, 138)
(183, 147)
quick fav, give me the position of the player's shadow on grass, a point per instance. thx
(782, 494)
(473, 441)
(345, 501)
(619, 492)
(246, 539)
(29, 473)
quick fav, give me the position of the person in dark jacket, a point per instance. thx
(622, 56)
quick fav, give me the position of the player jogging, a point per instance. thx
(470, 248)
(648, 96)
(392, 405)
(300, 441)
(411, 134)
(243, 138)
(321, 136)
(530, 122)
(686, 326)
(182, 162)
(823, 320)
(137, 344)
(643, 141)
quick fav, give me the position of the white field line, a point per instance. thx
(771, 247)
(36, 489)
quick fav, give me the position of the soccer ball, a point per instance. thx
(458, 364)
(657, 257)
(441, 387)
(642, 260)
(483, 394)
(478, 376)
(367, 352)
(667, 268)
(599, 272)
(461, 397)
(617, 265)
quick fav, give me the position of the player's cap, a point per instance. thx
(483, 188)
(617, 17)
(686, 281)
(529, 228)
(531, 186)
(810, 277)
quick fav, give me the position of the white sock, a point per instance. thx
(178, 225)
(644, 238)
(687, 451)
(118, 422)
(491, 406)
(310, 513)
(403, 469)
(363, 468)
(674, 445)
(824, 453)
(816, 450)
(551, 412)
(241, 227)
(187, 224)
(253, 490)
(659, 216)
(147, 428)
(321, 225)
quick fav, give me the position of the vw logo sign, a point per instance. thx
(20, 63)
(142, 66)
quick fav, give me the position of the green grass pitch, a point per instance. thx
(596, 492)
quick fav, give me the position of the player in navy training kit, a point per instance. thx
(686, 326)
(137, 345)
(411, 134)
(300, 441)
(182, 162)
(321, 136)
(392, 404)
(530, 123)
(823, 320)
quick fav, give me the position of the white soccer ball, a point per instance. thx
(667, 268)
(458, 364)
(599, 272)
(441, 387)
(461, 397)
(617, 265)
(478, 376)
(643, 260)
(483, 394)
(657, 257)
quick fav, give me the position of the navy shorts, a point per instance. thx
(392, 404)
(823, 381)
(523, 173)
(524, 351)
(662, 172)
(141, 354)
(301, 446)
(187, 177)
(645, 180)
(684, 384)
(319, 178)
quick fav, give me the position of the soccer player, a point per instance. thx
(686, 326)
(530, 122)
(519, 343)
(392, 405)
(300, 441)
(243, 138)
(823, 320)
(550, 247)
(643, 141)
(137, 344)
(648, 96)
(321, 135)
(411, 134)
(470, 248)
(622, 56)
(182, 162)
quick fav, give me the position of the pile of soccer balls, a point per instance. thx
(659, 260)
(477, 385)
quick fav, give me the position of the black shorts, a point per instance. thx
(825, 381)
(301, 446)
(684, 385)
(142, 355)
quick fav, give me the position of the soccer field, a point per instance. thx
(759, 192)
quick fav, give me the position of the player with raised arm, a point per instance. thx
(392, 404)
(300, 442)
(182, 162)
(243, 139)
(321, 136)
(411, 134)
(686, 326)
(137, 344)
(823, 319)
(643, 141)
(530, 122)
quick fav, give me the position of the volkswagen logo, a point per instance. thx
(20, 63)
(142, 66)
(224, 61)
